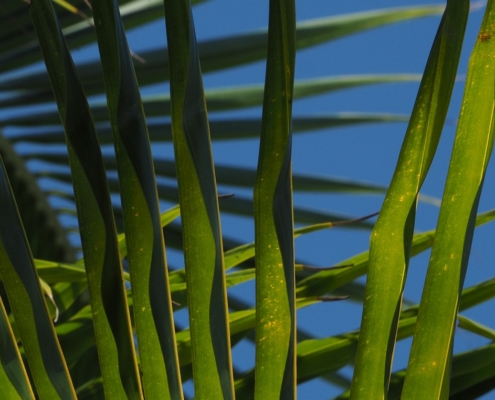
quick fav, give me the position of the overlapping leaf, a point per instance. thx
(26, 299)
(144, 237)
(389, 253)
(202, 239)
(429, 362)
(96, 223)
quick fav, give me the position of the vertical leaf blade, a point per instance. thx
(202, 239)
(144, 236)
(429, 362)
(275, 373)
(390, 253)
(96, 222)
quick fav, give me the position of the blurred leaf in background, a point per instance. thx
(91, 214)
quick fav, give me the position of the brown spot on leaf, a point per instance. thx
(483, 36)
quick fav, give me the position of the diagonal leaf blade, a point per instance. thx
(14, 379)
(144, 237)
(231, 98)
(215, 54)
(26, 299)
(389, 254)
(430, 358)
(96, 223)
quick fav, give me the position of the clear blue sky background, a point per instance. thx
(366, 153)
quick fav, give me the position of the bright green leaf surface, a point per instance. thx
(468, 370)
(392, 235)
(429, 362)
(476, 327)
(325, 281)
(202, 239)
(273, 216)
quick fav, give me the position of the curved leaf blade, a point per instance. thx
(144, 236)
(389, 253)
(202, 240)
(429, 361)
(275, 372)
(96, 222)
(26, 299)
(14, 380)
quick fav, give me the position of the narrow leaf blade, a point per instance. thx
(96, 223)
(390, 253)
(202, 240)
(145, 244)
(26, 299)
(275, 274)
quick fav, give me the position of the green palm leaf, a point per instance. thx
(389, 254)
(114, 304)
(430, 363)
(144, 237)
(18, 273)
(97, 226)
(203, 250)
(273, 215)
